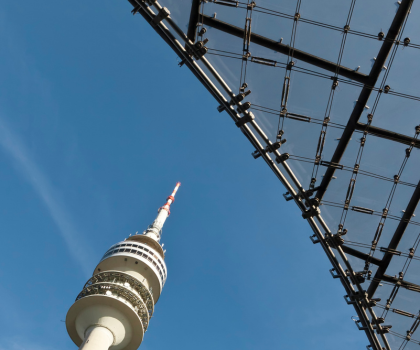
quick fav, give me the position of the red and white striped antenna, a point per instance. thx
(170, 199)
(154, 230)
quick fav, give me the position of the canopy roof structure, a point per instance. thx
(337, 80)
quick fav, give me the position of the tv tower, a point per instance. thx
(115, 306)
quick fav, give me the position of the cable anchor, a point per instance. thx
(163, 13)
(270, 148)
(313, 211)
(197, 50)
(251, 5)
(282, 158)
(248, 117)
(239, 98)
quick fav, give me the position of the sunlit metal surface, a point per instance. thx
(337, 80)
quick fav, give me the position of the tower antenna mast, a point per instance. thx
(155, 230)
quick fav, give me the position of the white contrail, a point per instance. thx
(17, 150)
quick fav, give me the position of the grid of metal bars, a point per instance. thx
(360, 285)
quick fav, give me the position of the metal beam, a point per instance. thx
(192, 25)
(396, 238)
(390, 135)
(285, 49)
(391, 36)
(408, 285)
(360, 255)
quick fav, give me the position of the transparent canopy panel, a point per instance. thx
(327, 94)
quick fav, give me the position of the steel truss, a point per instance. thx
(191, 52)
(351, 126)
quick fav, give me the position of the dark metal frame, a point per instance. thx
(389, 135)
(351, 126)
(356, 295)
(360, 255)
(396, 238)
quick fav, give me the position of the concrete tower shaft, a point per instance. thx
(115, 306)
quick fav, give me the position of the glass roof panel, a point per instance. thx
(373, 16)
(178, 13)
(324, 11)
(317, 114)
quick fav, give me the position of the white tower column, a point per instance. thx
(97, 338)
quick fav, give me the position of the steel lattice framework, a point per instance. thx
(370, 250)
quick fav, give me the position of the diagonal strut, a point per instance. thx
(351, 126)
(395, 240)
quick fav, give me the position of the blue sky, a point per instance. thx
(97, 124)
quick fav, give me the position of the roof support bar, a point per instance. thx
(390, 135)
(396, 238)
(192, 25)
(284, 49)
(393, 31)
(404, 284)
(360, 255)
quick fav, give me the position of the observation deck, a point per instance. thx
(121, 294)
(140, 260)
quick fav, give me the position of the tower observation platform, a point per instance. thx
(115, 306)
